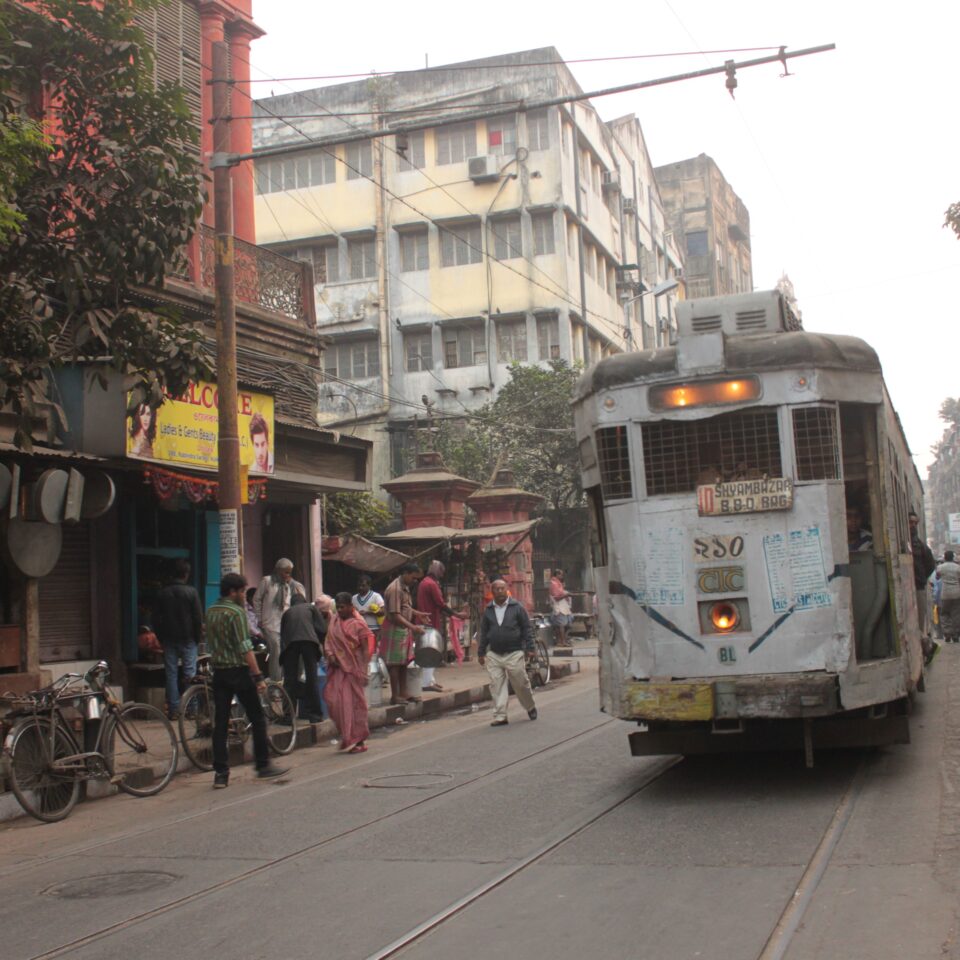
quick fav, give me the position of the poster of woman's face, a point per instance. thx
(143, 431)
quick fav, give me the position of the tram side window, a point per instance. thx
(613, 451)
(679, 455)
(815, 443)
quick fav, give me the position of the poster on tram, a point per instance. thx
(185, 429)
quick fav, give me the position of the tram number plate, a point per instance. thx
(709, 548)
(744, 496)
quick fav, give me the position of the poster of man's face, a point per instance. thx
(260, 440)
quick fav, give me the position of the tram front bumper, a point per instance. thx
(732, 698)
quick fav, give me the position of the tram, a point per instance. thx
(749, 490)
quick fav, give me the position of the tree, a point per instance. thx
(950, 410)
(358, 513)
(952, 218)
(528, 429)
(104, 209)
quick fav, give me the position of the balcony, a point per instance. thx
(263, 278)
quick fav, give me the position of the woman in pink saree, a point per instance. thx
(348, 647)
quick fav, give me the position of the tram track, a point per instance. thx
(211, 889)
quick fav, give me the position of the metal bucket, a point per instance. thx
(429, 648)
(414, 681)
(544, 632)
(377, 676)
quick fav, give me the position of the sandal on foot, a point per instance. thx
(358, 748)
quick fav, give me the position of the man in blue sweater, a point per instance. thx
(506, 637)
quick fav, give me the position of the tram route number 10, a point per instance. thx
(727, 654)
(717, 548)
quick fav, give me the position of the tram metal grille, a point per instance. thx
(815, 442)
(677, 456)
(613, 452)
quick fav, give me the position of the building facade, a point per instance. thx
(710, 223)
(147, 478)
(469, 242)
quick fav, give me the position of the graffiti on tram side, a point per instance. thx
(744, 496)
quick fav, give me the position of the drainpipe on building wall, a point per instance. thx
(583, 280)
(636, 240)
(383, 312)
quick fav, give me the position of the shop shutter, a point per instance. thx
(65, 616)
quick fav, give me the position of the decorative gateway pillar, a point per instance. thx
(431, 496)
(503, 502)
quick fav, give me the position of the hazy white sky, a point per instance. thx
(846, 167)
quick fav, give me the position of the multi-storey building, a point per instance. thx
(155, 500)
(494, 229)
(711, 224)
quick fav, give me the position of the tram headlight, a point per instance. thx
(703, 393)
(724, 616)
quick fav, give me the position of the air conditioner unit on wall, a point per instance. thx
(483, 169)
(629, 205)
(611, 181)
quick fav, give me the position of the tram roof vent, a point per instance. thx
(765, 311)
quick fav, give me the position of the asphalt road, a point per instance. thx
(621, 857)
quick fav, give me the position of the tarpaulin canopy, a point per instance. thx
(357, 552)
(462, 536)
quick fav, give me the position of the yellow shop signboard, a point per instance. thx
(184, 429)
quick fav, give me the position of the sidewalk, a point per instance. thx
(463, 684)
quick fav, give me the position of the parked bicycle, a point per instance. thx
(195, 719)
(538, 666)
(75, 730)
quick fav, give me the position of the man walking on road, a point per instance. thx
(178, 623)
(506, 637)
(235, 674)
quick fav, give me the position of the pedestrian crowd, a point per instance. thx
(323, 650)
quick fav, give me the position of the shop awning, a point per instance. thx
(421, 534)
(357, 552)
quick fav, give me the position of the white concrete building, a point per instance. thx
(445, 254)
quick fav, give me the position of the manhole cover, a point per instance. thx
(111, 885)
(409, 781)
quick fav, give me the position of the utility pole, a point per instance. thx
(228, 442)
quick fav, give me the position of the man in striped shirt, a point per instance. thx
(236, 673)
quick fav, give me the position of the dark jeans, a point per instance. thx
(309, 653)
(230, 682)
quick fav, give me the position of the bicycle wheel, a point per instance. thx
(44, 792)
(538, 666)
(195, 721)
(140, 749)
(281, 716)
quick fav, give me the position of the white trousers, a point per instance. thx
(426, 675)
(503, 668)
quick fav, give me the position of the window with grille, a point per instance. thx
(815, 443)
(548, 338)
(464, 346)
(326, 264)
(613, 452)
(359, 157)
(543, 243)
(460, 244)
(502, 136)
(362, 258)
(511, 340)
(506, 238)
(414, 251)
(455, 144)
(538, 130)
(353, 359)
(414, 156)
(678, 456)
(418, 350)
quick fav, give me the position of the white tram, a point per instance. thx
(734, 613)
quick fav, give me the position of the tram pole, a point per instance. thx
(228, 438)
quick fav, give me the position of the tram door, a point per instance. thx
(868, 568)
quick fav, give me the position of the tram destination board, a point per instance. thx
(744, 496)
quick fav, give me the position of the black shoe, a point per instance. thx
(221, 781)
(270, 771)
(532, 714)
(313, 718)
(499, 723)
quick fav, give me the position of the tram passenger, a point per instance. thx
(858, 537)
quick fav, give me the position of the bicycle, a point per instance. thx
(538, 666)
(132, 745)
(195, 719)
